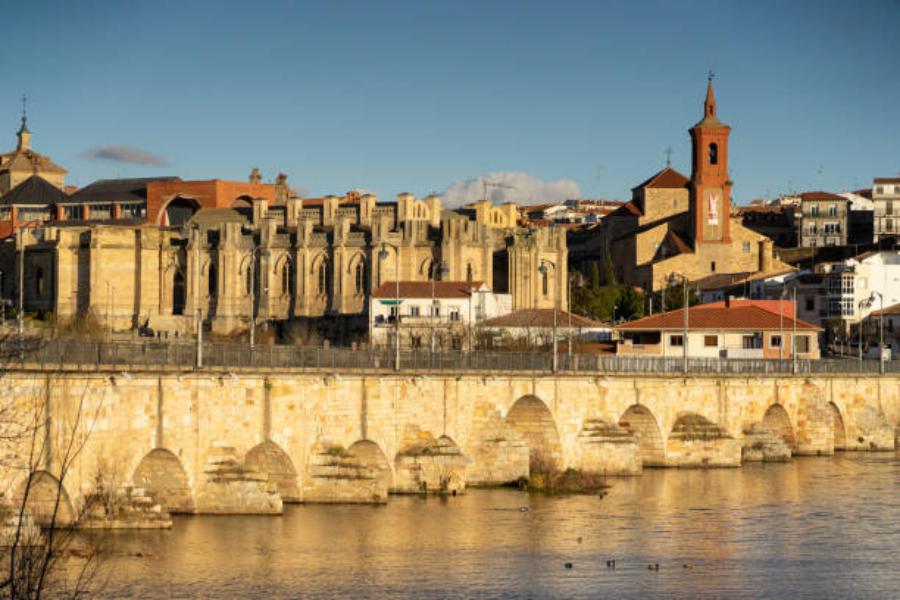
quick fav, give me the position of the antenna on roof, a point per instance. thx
(489, 183)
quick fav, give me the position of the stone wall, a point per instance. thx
(216, 442)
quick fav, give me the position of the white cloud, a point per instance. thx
(513, 187)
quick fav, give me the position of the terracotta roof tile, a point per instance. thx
(819, 195)
(668, 178)
(887, 180)
(743, 317)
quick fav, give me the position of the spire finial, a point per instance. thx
(23, 133)
(709, 105)
(710, 75)
(668, 156)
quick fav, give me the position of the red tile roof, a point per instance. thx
(540, 317)
(893, 309)
(775, 306)
(422, 289)
(702, 317)
(629, 209)
(821, 196)
(887, 180)
(668, 178)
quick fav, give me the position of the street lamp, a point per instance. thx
(382, 255)
(880, 329)
(542, 269)
(434, 271)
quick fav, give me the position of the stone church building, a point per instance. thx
(229, 250)
(677, 227)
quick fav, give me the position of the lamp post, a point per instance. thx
(434, 271)
(569, 311)
(20, 314)
(781, 321)
(542, 269)
(880, 329)
(382, 255)
(254, 254)
(863, 304)
(684, 337)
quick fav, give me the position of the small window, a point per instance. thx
(810, 303)
(414, 311)
(676, 340)
(212, 282)
(545, 286)
(454, 314)
(746, 247)
(832, 210)
(712, 266)
(360, 278)
(713, 154)
(802, 344)
(775, 341)
(711, 341)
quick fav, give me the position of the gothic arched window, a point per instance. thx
(545, 283)
(469, 272)
(323, 277)
(286, 278)
(713, 154)
(360, 277)
(39, 282)
(248, 280)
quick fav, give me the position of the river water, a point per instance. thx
(811, 528)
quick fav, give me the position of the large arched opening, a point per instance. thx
(840, 430)
(269, 458)
(778, 422)
(369, 458)
(46, 500)
(178, 211)
(642, 424)
(161, 474)
(532, 420)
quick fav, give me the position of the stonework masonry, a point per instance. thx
(223, 442)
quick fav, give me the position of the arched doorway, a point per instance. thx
(160, 473)
(777, 421)
(641, 422)
(532, 419)
(270, 459)
(46, 500)
(837, 423)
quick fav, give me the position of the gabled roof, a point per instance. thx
(24, 159)
(701, 318)
(668, 178)
(540, 317)
(423, 289)
(629, 209)
(34, 191)
(116, 190)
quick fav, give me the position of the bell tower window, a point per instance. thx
(713, 154)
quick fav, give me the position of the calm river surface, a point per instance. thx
(812, 528)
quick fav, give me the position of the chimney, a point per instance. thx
(766, 255)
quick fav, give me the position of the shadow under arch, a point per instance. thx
(371, 457)
(46, 500)
(160, 473)
(532, 419)
(777, 421)
(837, 424)
(640, 421)
(269, 458)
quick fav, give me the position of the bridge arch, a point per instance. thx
(640, 421)
(840, 430)
(777, 421)
(46, 500)
(371, 457)
(269, 458)
(532, 420)
(161, 473)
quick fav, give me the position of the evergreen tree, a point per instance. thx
(609, 273)
(595, 275)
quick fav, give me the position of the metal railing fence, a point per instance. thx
(155, 355)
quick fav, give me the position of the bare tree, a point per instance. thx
(41, 554)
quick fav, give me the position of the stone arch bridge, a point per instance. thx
(219, 442)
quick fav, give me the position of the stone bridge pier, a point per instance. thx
(220, 442)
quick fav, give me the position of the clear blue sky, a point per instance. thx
(413, 96)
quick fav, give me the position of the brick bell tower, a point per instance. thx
(710, 185)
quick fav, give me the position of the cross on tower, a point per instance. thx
(710, 75)
(24, 108)
(668, 156)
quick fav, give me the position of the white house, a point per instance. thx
(432, 314)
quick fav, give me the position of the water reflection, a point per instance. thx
(812, 528)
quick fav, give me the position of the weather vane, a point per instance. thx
(24, 108)
(668, 156)
(710, 75)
